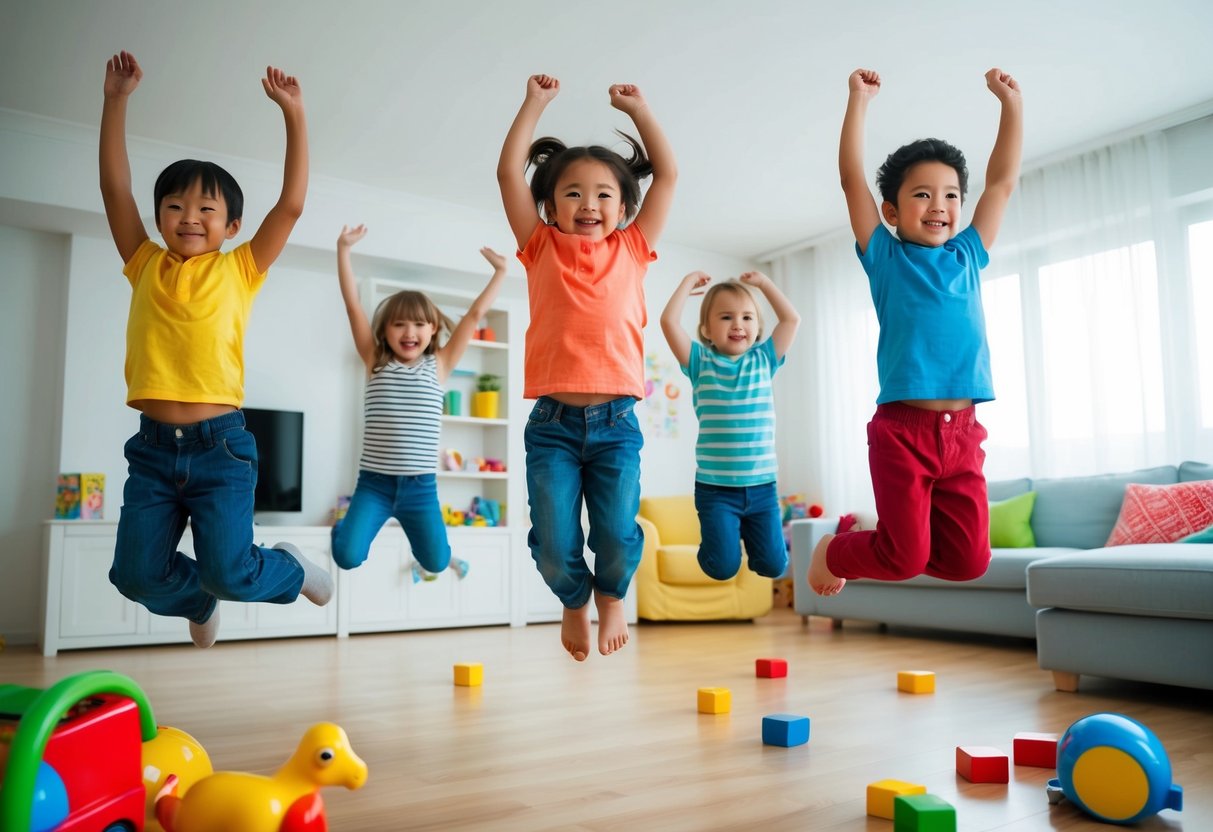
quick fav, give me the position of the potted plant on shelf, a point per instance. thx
(485, 400)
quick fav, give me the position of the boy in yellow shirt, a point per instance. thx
(192, 459)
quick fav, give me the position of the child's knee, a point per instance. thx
(348, 557)
(132, 583)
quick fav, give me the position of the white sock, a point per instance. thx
(317, 583)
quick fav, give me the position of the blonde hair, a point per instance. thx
(406, 305)
(733, 287)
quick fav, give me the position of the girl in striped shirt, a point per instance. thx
(730, 368)
(406, 371)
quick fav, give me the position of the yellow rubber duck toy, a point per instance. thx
(287, 801)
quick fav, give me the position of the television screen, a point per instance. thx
(279, 435)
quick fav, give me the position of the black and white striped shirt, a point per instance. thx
(403, 419)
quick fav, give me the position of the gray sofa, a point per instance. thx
(1133, 612)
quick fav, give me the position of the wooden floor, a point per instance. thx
(616, 743)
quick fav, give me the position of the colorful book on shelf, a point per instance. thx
(92, 496)
(67, 497)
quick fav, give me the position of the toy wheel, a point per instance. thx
(121, 826)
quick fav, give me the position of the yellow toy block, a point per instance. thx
(916, 681)
(715, 700)
(469, 675)
(882, 792)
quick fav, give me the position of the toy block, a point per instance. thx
(882, 792)
(982, 764)
(770, 668)
(1032, 749)
(923, 813)
(786, 730)
(916, 681)
(715, 700)
(469, 675)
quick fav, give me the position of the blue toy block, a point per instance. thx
(785, 730)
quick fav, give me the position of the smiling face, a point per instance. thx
(193, 222)
(928, 205)
(586, 200)
(730, 322)
(408, 339)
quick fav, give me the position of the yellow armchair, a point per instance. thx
(670, 585)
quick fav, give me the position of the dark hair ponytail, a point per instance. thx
(550, 156)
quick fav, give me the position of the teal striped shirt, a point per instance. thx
(736, 413)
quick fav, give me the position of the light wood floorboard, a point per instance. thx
(616, 743)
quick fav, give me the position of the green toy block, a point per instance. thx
(923, 813)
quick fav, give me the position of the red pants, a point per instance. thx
(934, 515)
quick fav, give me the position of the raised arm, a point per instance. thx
(1002, 172)
(671, 317)
(863, 84)
(276, 228)
(122, 76)
(788, 319)
(448, 354)
(660, 195)
(520, 208)
(360, 327)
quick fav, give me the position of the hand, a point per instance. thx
(349, 236)
(282, 89)
(697, 280)
(865, 81)
(627, 98)
(755, 279)
(542, 88)
(122, 75)
(496, 260)
(1002, 84)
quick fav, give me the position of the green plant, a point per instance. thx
(488, 383)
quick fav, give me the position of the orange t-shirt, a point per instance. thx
(587, 312)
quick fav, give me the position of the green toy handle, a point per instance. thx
(38, 723)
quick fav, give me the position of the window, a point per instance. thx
(1200, 272)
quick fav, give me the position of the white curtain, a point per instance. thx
(1098, 300)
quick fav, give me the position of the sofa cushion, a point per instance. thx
(1192, 471)
(1163, 513)
(679, 565)
(1011, 522)
(1006, 489)
(1079, 512)
(1203, 536)
(1008, 570)
(675, 518)
(1160, 580)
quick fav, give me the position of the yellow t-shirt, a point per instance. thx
(185, 331)
(587, 312)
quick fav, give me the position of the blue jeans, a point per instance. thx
(413, 500)
(204, 473)
(590, 454)
(731, 514)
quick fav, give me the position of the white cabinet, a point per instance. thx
(381, 595)
(80, 608)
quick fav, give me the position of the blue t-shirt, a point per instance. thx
(932, 327)
(736, 412)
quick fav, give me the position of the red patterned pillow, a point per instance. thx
(1163, 513)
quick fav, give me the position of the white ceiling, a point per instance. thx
(416, 95)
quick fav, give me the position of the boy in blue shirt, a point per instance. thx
(192, 458)
(924, 442)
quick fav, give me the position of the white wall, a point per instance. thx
(33, 294)
(64, 314)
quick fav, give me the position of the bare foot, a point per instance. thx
(612, 623)
(575, 632)
(821, 579)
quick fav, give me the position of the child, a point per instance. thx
(585, 348)
(192, 459)
(735, 491)
(406, 370)
(924, 443)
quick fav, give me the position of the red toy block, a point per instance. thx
(981, 764)
(1032, 749)
(770, 668)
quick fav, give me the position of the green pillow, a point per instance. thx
(1010, 526)
(1200, 537)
